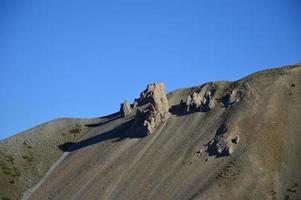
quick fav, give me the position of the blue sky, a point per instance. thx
(82, 58)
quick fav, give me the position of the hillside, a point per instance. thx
(219, 140)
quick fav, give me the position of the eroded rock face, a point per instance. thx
(232, 97)
(201, 100)
(219, 147)
(125, 109)
(224, 142)
(214, 94)
(156, 111)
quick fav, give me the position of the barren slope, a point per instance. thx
(223, 140)
(26, 157)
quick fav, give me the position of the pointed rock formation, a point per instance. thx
(125, 109)
(156, 111)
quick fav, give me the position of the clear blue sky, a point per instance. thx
(82, 58)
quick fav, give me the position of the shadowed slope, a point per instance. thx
(26, 157)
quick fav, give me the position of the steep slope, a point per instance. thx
(220, 140)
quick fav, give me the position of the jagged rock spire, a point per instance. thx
(156, 112)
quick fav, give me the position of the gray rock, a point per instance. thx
(234, 96)
(156, 112)
(125, 108)
(219, 147)
(223, 144)
(201, 100)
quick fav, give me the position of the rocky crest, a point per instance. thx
(238, 140)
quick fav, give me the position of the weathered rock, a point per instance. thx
(223, 144)
(208, 96)
(219, 146)
(156, 111)
(125, 108)
(232, 97)
(201, 100)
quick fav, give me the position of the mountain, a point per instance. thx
(219, 140)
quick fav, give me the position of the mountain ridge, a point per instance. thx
(212, 146)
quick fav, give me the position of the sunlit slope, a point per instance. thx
(220, 140)
(181, 160)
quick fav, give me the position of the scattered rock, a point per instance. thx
(156, 111)
(125, 108)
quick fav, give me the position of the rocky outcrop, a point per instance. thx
(218, 95)
(224, 142)
(153, 109)
(233, 97)
(219, 147)
(201, 100)
(125, 109)
(210, 95)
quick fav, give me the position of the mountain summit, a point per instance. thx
(220, 140)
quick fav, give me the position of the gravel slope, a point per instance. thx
(181, 159)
